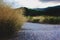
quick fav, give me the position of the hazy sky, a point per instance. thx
(32, 3)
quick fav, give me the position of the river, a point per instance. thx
(34, 31)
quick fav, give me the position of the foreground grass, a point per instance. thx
(10, 21)
(45, 19)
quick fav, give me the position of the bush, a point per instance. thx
(10, 21)
(52, 20)
(35, 21)
(45, 19)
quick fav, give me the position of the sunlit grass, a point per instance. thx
(45, 19)
(11, 21)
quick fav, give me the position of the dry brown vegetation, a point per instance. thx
(45, 19)
(10, 21)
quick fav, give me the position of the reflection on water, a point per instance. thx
(31, 31)
(34, 26)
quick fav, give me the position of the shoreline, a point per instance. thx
(44, 23)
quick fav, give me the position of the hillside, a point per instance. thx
(50, 15)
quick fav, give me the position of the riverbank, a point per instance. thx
(44, 19)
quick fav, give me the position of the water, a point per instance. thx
(33, 31)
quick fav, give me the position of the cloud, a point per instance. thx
(50, 0)
(35, 3)
(30, 3)
(23, 3)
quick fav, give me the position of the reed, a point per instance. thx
(10, 21)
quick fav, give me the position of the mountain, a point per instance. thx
(50, 11)
(54, 11)
(39, 9)
(30, 12)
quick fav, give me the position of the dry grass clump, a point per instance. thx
(45, 19)
(10, 21)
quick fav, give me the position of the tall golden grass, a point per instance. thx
(10, 21)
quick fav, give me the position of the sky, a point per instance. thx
(31, 3)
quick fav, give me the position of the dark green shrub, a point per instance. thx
(52, 20)
(36, 21)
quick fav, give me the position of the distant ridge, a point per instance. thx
(42, 9)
